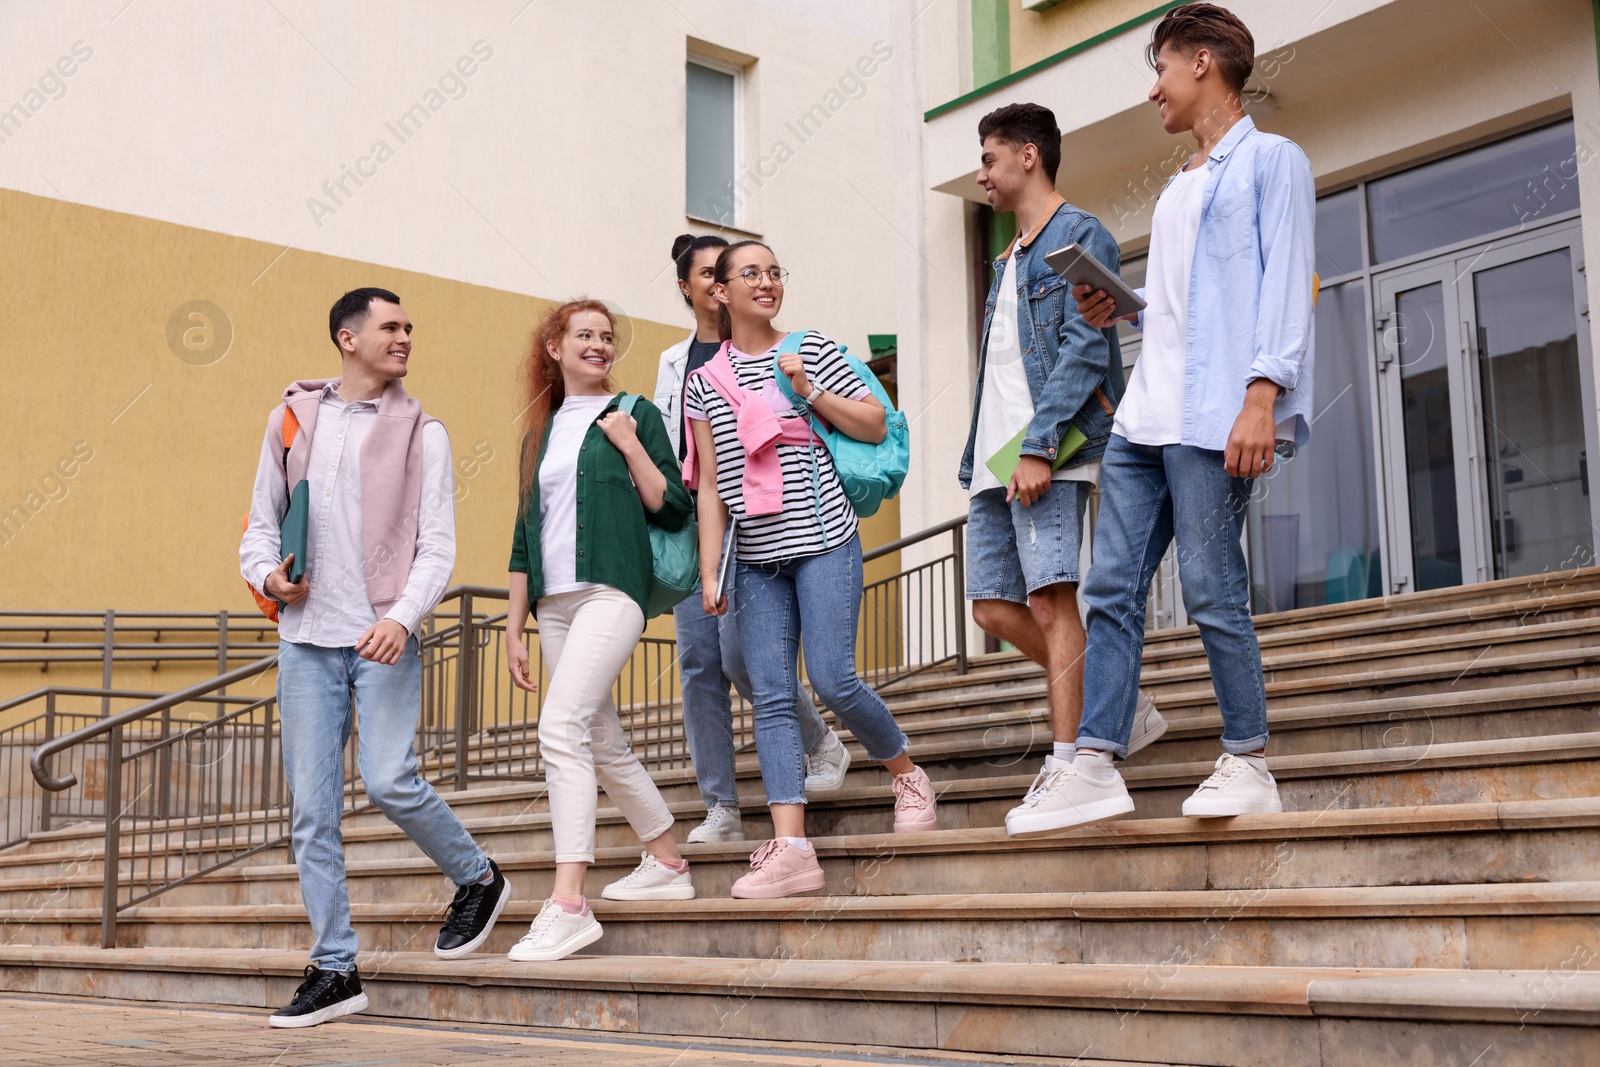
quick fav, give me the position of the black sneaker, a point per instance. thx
(322, 996)
(472, 916)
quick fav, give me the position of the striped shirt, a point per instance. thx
(801, 529)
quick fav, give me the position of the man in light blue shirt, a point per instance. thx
(1224, 374)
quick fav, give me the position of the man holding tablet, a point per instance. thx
(1047, 387)
(1223, 374)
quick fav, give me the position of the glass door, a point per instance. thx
(1482, 378)
(1532, 372)
(1422, 407)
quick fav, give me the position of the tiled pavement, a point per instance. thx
(61, 1032)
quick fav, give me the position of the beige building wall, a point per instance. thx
(182, 160)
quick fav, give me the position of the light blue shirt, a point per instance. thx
(1251, 287)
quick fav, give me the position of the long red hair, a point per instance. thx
(543, 387)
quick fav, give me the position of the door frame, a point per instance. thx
(1455, 271)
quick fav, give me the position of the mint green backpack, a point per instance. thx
(674, 554)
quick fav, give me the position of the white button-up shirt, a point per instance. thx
(337, 610)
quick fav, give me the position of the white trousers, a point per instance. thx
(587, 637)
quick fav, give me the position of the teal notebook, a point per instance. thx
(1003, 464)
(294, 529)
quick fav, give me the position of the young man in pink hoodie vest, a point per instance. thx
(381, 546)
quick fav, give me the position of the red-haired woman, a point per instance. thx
(592, 479)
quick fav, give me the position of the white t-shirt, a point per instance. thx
(558, 492)
(1006, 404)
(1151, 413)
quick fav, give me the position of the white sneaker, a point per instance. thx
(555, 935)
(651, 880)
(825, 768)
(1148, 725)
(1234, 788)
(722, 824)
(1061, 797)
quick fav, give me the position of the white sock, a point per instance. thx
(1094, 765)
(1257, 761)
(1064, 751)
(800, 843)
(488, 878)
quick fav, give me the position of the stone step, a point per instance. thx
(1472, 773)
(1247, 1016)
(1477, 927)
(1010, 744)
(1513, 841)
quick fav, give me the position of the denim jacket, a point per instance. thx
(1252, 289)
(1074, 371)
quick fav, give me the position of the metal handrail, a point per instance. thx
(88, 733)
(925, 604)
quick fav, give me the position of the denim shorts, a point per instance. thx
(1014, 550)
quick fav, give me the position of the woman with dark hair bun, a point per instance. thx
(710, 654)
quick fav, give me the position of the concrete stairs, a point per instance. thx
(1432, 895)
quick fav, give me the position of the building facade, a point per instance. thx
(185, 188)
(1452, 145)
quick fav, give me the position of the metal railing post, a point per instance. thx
(111, 882)
(106, 660)
(960, 553)
(466, 659)
(47, 798)
(222, 647)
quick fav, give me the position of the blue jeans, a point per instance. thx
(1014, 551)
(819, 596)
(710, 655)
(314, 707)
(1148, 495)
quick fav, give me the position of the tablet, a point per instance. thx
(1080, 268)
(726, 568)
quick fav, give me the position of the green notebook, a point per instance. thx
(295, 528)
(1003, 464)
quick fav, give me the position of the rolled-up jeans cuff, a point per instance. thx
(575, 857)
(1100, 744)
(1239, 748)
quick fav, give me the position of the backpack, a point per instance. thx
(870, 473)
(674, 554)
(291, 429)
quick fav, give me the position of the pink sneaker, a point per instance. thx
(914, 805)
(778, 869)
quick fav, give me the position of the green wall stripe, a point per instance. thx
(991, 40)
(1034, 68)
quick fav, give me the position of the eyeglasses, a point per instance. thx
(752, 276)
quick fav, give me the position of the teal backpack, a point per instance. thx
(870, 473)
(674, 554)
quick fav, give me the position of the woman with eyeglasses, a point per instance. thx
(710, 654)
(799, 551)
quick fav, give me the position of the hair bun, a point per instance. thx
(681, 245)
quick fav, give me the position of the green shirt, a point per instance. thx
(613, 538)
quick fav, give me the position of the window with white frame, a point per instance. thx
(712, 142)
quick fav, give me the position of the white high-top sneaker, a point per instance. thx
(1148, 725)
(651, 881)
(826, 767)
(555, 935)
(721, 824)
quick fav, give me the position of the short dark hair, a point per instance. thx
(1021, 124)
(350, 310)
(1195, 26)
(686, 247)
